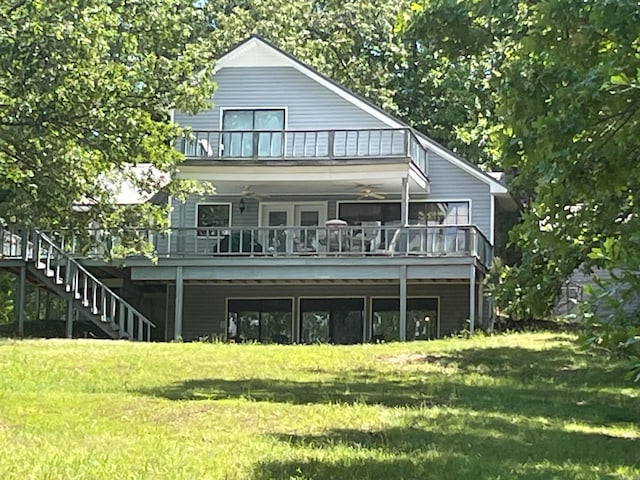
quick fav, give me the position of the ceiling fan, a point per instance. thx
(248, 192)
(367, 192)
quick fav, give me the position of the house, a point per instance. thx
(332, 221)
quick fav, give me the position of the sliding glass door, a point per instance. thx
(266, 321)
(252, 133)
(422, 319)
(331, 320)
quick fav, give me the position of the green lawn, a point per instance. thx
(512, 406)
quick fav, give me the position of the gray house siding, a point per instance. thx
(449, 182)
(205, 305)
(310, 106)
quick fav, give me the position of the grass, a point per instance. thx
(511, 406)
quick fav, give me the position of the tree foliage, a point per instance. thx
(570, 97)
(457, 50)
(86, 87)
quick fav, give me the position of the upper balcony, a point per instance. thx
(365, 144)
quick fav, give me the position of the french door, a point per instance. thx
(295, 226)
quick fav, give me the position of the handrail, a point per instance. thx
(305, 144)
(86, 272)
(79, 281)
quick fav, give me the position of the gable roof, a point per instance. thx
(256, 51)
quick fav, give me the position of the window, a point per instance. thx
(335, 320)
(422, 319)
(252, 133)
(439, 213)
(420, 213)
(267, 321)
(212, 215)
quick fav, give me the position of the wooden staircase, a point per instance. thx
(62, 274)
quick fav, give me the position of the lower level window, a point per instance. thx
(267, 321)
(422, 319)
(331, 320)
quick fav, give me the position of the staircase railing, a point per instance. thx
(99, 301)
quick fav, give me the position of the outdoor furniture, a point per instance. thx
(337, 235)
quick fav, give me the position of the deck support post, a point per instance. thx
(472, 299)
(69, 319)
(37, 309)
(177, 321)
(403, 303)
(404, 205)
(21, 292)
(480, 310)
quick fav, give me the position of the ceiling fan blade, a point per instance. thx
(368, 193)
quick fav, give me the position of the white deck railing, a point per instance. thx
(323, 241)
(305, 144)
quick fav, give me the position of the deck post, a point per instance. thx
(37, 309)
(404, 205)
(480, 313)
(177, 321)
(20, 298)
(180, 241)
(69, 319)
(472, 298)
(403, 303)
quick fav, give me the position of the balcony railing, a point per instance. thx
(287, 242)
(308, 144)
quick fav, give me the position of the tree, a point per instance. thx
(86, 87)
(571, 111)
(447, 88)
(561, 81)
(571, 99)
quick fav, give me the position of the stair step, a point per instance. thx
(91, 298)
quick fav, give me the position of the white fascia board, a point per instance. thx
(418, 178)
(256, 53)
(293, 173)
(498, 189)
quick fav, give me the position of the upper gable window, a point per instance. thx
(252, 133)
